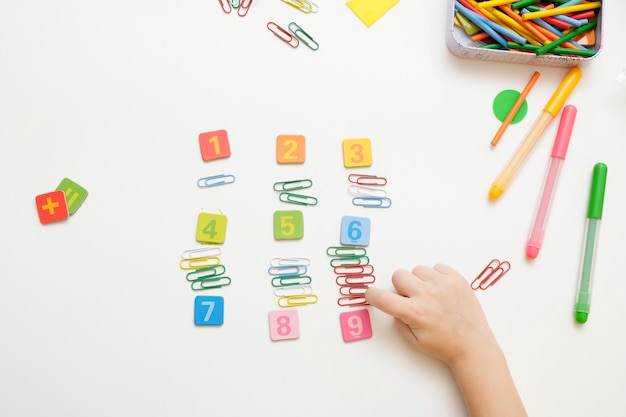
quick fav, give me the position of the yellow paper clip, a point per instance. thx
(305, 6)
(297, 300)
(207, 284)
(283, 35)
(304, 37)
(294, 290)
(199, 263)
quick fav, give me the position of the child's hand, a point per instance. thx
(438, 311)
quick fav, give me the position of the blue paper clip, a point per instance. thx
(216, 180)
(299, 199)
(287, 270)
(304, 37)
(374, 202)
(292, 185)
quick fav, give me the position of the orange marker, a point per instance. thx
(516, 106)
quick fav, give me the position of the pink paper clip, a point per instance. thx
(491, 274)
(352, 301)
(354, 270)
(243, 7)
(283, 35)
(226, 7)
(362, 179)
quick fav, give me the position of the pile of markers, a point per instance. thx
(205, 270)
(353, 273)
(559, 27)
(291, 283)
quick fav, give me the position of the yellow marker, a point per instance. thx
(561, 10)
(369, 11)
(548, 114)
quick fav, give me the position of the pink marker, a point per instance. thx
(559, 150)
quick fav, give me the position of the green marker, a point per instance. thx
(594, 215)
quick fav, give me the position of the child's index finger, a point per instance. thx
(387, 302)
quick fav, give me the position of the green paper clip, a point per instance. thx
(289, 280)
(299, 199)
(304, 37)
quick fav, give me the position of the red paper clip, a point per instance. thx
(362, 179)
(354, 270)
(244, 7)
(352, 290)
(283, 35)
(226, 7)
(352, 301)
(491, 274)
(355, 280)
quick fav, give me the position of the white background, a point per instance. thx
(96, 317)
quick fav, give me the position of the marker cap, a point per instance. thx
(596, 196)
(563, 134)
(563, 91)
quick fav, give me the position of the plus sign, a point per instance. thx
(50, 206)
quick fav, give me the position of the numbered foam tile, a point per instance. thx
(355, 231)
(208, 310)
(214, 145)
(290, 149)
(355, 325)
(52, 207)
(357, 153)
(284, 324)
(211, 228)
(288, 225)
(74, 194)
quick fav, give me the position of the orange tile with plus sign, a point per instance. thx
(52, 207)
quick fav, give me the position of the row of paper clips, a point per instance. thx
(286, 192)
(491, 274)
(242, 6)
(353, 272)
(215, 180)
(368, 191)
(293, 35)
(205, 268)
(291, 282)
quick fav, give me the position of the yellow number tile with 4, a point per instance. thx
(211, 228)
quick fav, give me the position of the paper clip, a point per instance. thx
(491, 274)
(299, 199)
(202, 252)
(290, 262)
(355, 280)
(199, 263)
(374, 202)
(297, 300)
(290, 280)
(304, 37)
(353, 290)
(292, 185)
(345, 251)
(283, 35)
(295, 290)
(349, 260)
(305, 6)
(363, 179)
(226, 6)
(207, 284)
(363, 191)
(215, 180)
(244, 6)
(354, 270)
(287, 270)
(352, 301)
(235, 3)
(206, 273)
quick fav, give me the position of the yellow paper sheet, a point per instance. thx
(369, 11)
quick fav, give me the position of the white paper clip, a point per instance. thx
(202, 252)
(374, 202)
(294, 290)
(363, 191)
(290, 262)
(215, 180)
